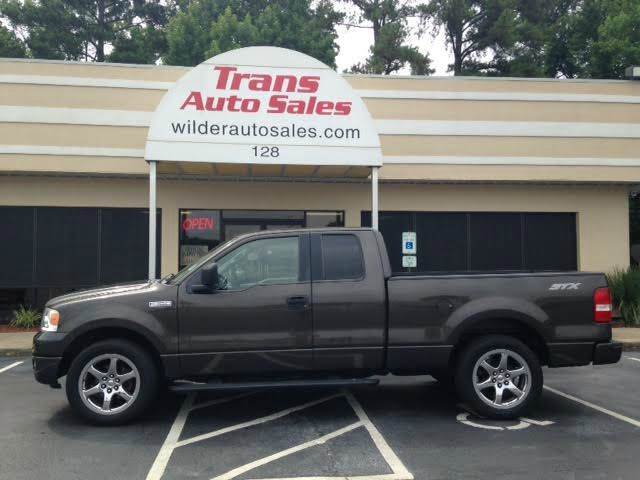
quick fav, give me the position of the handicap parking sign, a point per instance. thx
(409, 243)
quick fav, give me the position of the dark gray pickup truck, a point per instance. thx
(319, 307)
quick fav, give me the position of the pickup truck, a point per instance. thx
(319, 307)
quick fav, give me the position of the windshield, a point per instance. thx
(188, 270)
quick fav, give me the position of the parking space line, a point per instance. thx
(606, 411)
(256, 421)
(15, 364)
(384, 476)
(311, 443)
(397, 467)
(633, 358)
(162, 459)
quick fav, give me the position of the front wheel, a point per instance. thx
(111, 382)
(499, 376)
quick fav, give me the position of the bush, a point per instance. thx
(625, 288)
(26, 317)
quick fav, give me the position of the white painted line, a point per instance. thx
(633, 358)
(389, 455)
(256, 421)
(384, 476)
(161, 461)
(263, 461)
(606, 411)
(540, 423)
(15, 364)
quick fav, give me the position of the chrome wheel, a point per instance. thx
(502, 378)
(109, 384)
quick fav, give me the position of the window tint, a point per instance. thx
(495, 241)
(16, 246)
(269, 261)
(481, 241)
(341, 257)
(550, 241)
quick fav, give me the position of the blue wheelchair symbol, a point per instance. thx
(409, 245)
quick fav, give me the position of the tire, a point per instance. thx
(494, 377)
(126, 388)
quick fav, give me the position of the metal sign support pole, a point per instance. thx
(374, 198)
(152, 219)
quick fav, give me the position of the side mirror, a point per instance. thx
(208, 278)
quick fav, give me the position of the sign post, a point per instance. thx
(152, 219)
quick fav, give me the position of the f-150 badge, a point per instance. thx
(565, 286)
(161, 304)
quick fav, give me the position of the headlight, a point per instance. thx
(50, 320)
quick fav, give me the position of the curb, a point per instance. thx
(15, 352)
(630, 346)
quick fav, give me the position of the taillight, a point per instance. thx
(602, 305)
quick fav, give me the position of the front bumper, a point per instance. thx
(47, 352)
(45, 369)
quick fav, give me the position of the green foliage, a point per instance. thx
(25, 317)
(473, 28)
(389, 53)
(10, 45)
(203, 28)
(85, 29)
(625, 287)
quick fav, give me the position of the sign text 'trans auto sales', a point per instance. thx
(279, 102)
(263, 105)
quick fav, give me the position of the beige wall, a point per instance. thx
(90, 118)
(603, 225)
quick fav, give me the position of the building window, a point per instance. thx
(49, 251)
(480, 241)
(202, 230)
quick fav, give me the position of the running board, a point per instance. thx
(213, 386)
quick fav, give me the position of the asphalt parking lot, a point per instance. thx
(586, 426)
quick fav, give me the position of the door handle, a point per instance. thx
(298, 303)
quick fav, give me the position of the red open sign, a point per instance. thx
(198, 223)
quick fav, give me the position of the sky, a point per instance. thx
(355, 42)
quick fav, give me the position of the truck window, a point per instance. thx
(341, 257)
(267, 261)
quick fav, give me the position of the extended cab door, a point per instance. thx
(259, 320)
(349, 302)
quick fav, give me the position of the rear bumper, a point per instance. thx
(604, 353)
(583, 353)
(45, 369)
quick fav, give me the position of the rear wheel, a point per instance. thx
(499, 376)
(111, 382)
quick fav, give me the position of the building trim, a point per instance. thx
(84, 82)
(388, 160)
(75, 116)
(507, 129)
(497, 96)
(364, 93)
(461, 78)
(70, 151)
(499, 160)
(130, 118)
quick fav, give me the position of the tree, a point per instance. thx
(388, 19)
(10, 45)
(473, 28)
(202, 28)
(83, 29)
(617, 45)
